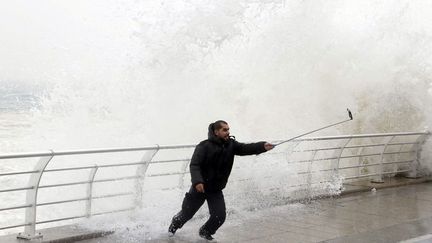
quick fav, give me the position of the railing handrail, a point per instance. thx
(91, 151)
(183, 146)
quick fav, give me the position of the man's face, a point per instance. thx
(223, 132)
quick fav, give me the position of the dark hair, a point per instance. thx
(218, 124)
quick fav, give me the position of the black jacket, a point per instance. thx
(213, 159)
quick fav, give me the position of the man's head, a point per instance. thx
(221, 130)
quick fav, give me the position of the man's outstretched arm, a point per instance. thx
(252, 148)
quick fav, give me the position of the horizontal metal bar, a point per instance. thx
(65, 184)
(314, 171)
(168, 174)
(71, 168)
(119, 178)
(320, 149)
(63, 201)
(14, 226)
(402, 152)
(86, 182)
(358, 166)
(269, 177)
(291, 186)
(356, 156)
(359, 155)
(83, 199)
(384, 173)
(378, 145)
(114, 211)
(25, 155)
(293, 162)
(399, 162)
(119, 165)
(91, 167)
(331, 158)
(16, 207)
(306, 184)
(165, 189)
(299, 185)
(403, 143)
(114, 195)
(19, 173)
(309, 160)
(376, 154)
(60, 219)
(82, 216)
(352, 167)
(360, 176)
(406, 143)
(17, 189)
(375, 164)
(169, 161)
(354, 146)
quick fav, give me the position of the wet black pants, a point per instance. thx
(193, 201)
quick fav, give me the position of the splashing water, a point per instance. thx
(133, 73)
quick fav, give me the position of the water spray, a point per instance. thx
(319, 129)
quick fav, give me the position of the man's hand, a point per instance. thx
(200, 187)
(268, 146)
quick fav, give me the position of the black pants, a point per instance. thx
(193, 201)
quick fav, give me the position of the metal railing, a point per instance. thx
(350, 157)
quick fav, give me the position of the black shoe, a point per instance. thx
(171, 230)
(205, 235)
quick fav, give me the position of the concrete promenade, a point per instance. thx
(396, 214)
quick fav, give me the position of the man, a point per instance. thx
(210, 168)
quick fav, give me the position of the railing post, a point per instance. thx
(395, 166)
(31, 199)
(309, 176)
(90, 191)
(416, 162)
(379, 178)
(140, 173)
(182, 177)
(360, 161)
(335, 164)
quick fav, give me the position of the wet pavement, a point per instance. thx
(386, 215)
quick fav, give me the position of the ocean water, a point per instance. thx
(16, 105)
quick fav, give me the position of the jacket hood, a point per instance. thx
(211, 135)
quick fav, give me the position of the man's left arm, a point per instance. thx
(252, 148)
